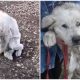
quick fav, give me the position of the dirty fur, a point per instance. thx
(64, 21)
(9, 36)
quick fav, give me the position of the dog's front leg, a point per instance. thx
(14, 44)
(72, 65)
(18, 49)
(8, 54)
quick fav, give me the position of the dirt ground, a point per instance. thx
(27, 65)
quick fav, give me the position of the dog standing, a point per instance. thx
(9, 36)
(64, 21)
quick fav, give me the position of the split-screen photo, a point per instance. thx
(39, 39)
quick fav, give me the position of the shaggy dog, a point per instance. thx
(9, 36)
(64, 21)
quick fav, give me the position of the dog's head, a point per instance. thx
(65, 21)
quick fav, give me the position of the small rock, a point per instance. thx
(13, 69)
(18, 65)
(34, 32)
(22, 67)
(15, 74)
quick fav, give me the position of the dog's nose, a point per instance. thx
(76, 39)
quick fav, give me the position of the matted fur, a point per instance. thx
(69, 14)
(9, 36)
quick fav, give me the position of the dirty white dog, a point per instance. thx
(64, 22)
(9, 36)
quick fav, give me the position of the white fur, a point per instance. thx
(68, 13)
(9, 36)
(49, 39)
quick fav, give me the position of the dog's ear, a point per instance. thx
(47, 21)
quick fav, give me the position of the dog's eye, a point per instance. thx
(65, 26)
(78, 24)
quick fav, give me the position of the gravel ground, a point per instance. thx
(27, 65)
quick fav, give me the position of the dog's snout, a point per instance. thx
(76, 39)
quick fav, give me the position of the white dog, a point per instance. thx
(9, 36)
(64, 21)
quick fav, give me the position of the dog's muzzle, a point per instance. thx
(76, 40)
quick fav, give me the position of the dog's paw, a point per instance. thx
(49, 39)
(70, 75)
(8, 55)
(18, 53)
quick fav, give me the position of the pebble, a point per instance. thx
(18, 65)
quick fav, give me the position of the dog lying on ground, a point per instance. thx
(64, 21)
(9, 36)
